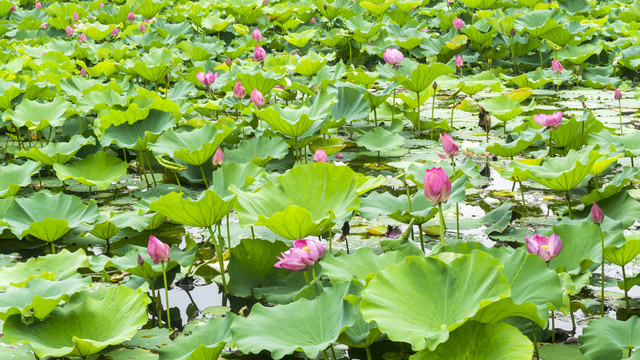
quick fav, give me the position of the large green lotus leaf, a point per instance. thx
(578, 54)
(8, 91)
(155, 64)
(89, 322)
(311, 63)
(531, 80)
(619, 181)
(57, 152)
(624, 254)
(107, 226)
(264, 81)
(352, 105)
(240, 175)
(421, 300)
(136, 136)
(397, 208)
(205, 211)
(538, 22)
(129, 262)
(203, 341)
(14, 176)
(48, 217)
(99, 169)
(513, 148)
(361, 265)
(290, 122)
(193, 147)
(478, 341)
(362, 333)
(39, 297)
(307, 325)
(610, 339)
(258, 150)
(423, 76)
(32, 113)
(97, 31)
(475, 83)
(300, 39)
(58, 266)
(301, 202)
(251, 265)
(481, 33)
(381, 140)
(505, 107)
(559, 173)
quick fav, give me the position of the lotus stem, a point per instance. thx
(124, 154)
(115, 193)
(442, 224)
(178, 180)
(421, 237)
(602, 271)
(324, 354)
(393, 108)
(53, 248)
(150, 169)
(620, 108)
(568, 195)
(143, 172)
(306, 278)
(433, 109)
(573, 318)
(553, 327)
(228, 232)
(368, 353)
(406, 186)
(375, 115)
(79, 125)
(220, 251)
(40, 178)
(457, 221)
(626, 292)
(513, 55)
(253, 234)
(540, 52)
(204, 178)
(535, 341)
(452, 109)
(166, 294)
(333, 352)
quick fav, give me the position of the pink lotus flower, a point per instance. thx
(301, 256)
(320, 156)
(76, 17)
(228, 61)
(218, 157)
(313, 247)
(83, 72)
(43, 26)
(556, 67)
(339, 156)
(101, 5)
(459, 61)
(38, 6)
(257, 98)
(265, 2)
(206, 79)
(437, 185)
(543, 246)
(131, 16)
(69, 31)
(158, 250)
(142, 28)
(313, 20)
(597, 215)
(449, 146)
(83, 38)
(617, 95)
(393, 57)
(425, 30)
(114, 32)
(238, 91)
(13, 8)
(256, 35)
(458, 23)
(259, 54)
(550, 121)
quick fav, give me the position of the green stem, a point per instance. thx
(204, 178)
(457, 221)
(421, 237)
(452, 109)
(333, 352)
(253, 234)
(620, 108)
(166, 294)
(573, 318)
(324, 353)
(150, 169)
(521, 193)
(433, 108)
(626, 293)
(368, 353)
(306, 278)
(535, 341)
(513, 55)
(418, 98)
(569, 204)
(141, 168)
(178, 181)
(602, 272)
(220, 259)
(442, 224)
(553, 327)
(228, 232)
(540, 52)
(53, 248)
(393, 108)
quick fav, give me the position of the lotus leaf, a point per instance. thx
(616, 184)
(8, 91)
(505, 107)
(513, 148)
(39, 115)
(57, 152)
(361, 265)
(608, 339)
(251, 265)
(13, 177)
(99, 169)
(361, 334)
(624, 254)
(205, 341)
(129, 262)
(89, 322)
(423, 76)
(397, 208)
(107, 226)
(380, 140)
(352, 105)
(240, 175)
(264, 81)
(136, 136)
(205, 211)
(59, 266)
(408, 299)
(154, 65)
(48, 217)
(538, 22)
(259, 151)
(301, 202)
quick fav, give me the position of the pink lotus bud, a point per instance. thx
(434, 86)
(550, 121)
(425, 30)
(101, 5)
(38, 6)
(228, 61)
(449, 146)
(76, 17)
(556, 67)
(13, 8)
(140, 260)
(265, 2)
(218, 157)
(83, 72)
(257, 98)
(259, 54)
(238, 91)
(437, 185)
(512, 32)
(320, 156)
(301, 256)
(114, 32)
(158, 250)
(313, 20)
(43, 26)
(543, 246)
(458, 23)
(69, 31)
(142, 28)
(393, 57)
(131, 16)
(596, 214)
(339, 156)
(256, 35)
(617, 95)
(459, 61)
(83, 38)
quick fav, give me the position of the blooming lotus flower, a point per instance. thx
(131, 16)
(545, 247)
(459, 61)
(257, 98)
(556, 67)
(158, 250)
(313, 247)
(449, 146)
(320, 156)
(458, 23)
(437, 185)
(142, 28)
(301, 256)
(76, 17)
(218, 157)
(596, 214)
(256, 35)
(259, 54)
(238, 91)
(83, 72)
(83, 37)
(208, 78)
(38, 6)
(550, 121)
(617, 95)
(393, 57)
(265, 2)
(43, 26)
(114, 32)
(69, 31)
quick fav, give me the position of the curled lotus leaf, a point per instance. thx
(14, 176)
(32, 113)
(205, 211)
(57, 152)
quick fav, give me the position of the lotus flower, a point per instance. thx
(158, 250)
(596, 214)
(301, 256)
(543, 246)
(208, 78)
(437, 185)
(142, 28)
(83, 72)
(449, 146)
(218, 157)
(101, 5)
(257, 98)
(617, 95)
(259, 54)
(114, 32)
(76, 17)
(83, 38)
(313, 20)
(458, 23)
(238, 91)
(13, 8)
(339, 156)
(131, 16)
(69, 31)
(313, 247)
(556, 67)
(393, 57)
(320, 156)
(549, 121)
(43, 26)
(228, 61)
(38, 6)
(459, 61)
(256, 35)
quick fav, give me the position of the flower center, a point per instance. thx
(306, 248)
(546, 247)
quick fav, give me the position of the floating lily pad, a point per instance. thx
(380, 140)
(200, 341)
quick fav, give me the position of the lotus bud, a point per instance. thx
(38, 6)
(101, 5)
(265, 2)
(140, 260)
(617, 95)
(313, 20)
(13, 8)
(228, 61)
(320, 156)
(83, 38)
(259, 54)
(435, 86)
(114, 32)
(256, 35)
(324, 7)
(238, 91)
(425, 30)
(458, 23)
(512, 32)
(459, 61)
(158, 250)
(43, 26)
(545, 247)
(131, 16)
(142, 28)
(393, 57)
(339, 156)
(76, 17)
(83, 72)
(556, 67)
(218, 157)
(437, 185)
(257, 98)
(549, 121)
(596, 214)
(449, 146)
(69, 31)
